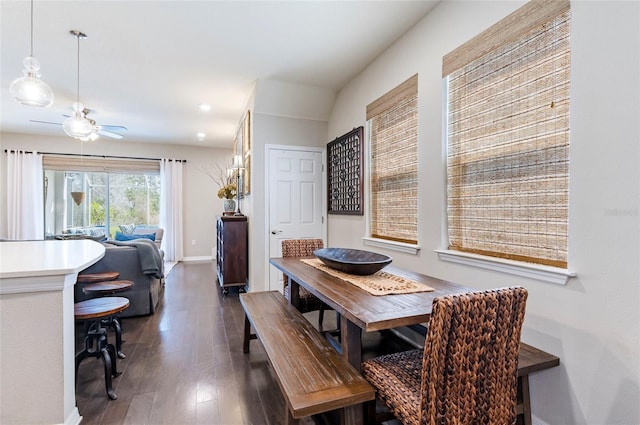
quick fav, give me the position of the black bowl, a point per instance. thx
(352, 261)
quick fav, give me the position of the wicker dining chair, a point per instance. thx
(303, 248)
(467, 371)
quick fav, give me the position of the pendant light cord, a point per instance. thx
(31, 50)
(78, 88)
(78, 35)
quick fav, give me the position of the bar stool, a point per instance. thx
(108, 288)
(92, 312)
(97, 277)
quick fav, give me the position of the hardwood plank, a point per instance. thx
(139, 409)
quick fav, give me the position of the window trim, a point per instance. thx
(392, 245)
(549, 274)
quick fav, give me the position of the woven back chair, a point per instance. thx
(467, 371)
(303, 248)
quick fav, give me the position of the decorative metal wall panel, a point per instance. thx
(345, 161)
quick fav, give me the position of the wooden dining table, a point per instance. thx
(359, 310)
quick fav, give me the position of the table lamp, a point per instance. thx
(238, 166)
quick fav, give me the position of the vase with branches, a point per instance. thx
(223, 175)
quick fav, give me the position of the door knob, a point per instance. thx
(275, 232)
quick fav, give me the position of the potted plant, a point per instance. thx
(228, 193)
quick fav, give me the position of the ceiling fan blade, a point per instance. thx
(46, 122)
(109, 134)
(113, 127)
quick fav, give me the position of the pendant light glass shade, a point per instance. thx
(77, 125)
(91, 137)
(29, 89)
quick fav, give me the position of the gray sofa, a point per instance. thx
(147, 288)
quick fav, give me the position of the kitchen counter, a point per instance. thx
(37, 345)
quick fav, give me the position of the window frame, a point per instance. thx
(67, 163)
(397, 95)
(534, 13)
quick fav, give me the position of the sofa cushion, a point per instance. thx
(122, 237)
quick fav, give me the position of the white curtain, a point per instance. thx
(25, 196)
(171, 208)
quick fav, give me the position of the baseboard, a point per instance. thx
(537, 421)
(197, 259)
(74, 417)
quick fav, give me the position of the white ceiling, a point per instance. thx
(147, 65)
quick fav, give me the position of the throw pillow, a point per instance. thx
(127, 229)
(122, 237)
(96, 232)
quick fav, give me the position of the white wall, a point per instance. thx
(272, 130)
(592, 323)
(283, 99)
(201, 205)
(282, 113)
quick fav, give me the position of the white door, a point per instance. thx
(296, 207)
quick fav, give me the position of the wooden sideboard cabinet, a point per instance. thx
(231, 252)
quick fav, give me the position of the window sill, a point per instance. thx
(533, 271)
(392, 245)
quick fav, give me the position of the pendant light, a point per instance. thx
(29, 89)
(77, 125)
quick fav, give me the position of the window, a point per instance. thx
(508, 137)
(94, 197)
(393, 137)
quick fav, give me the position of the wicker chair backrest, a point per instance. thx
(470, 365)
(299, 248)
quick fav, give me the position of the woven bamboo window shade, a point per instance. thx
(100, 165)
(508, 137)
(394, 163)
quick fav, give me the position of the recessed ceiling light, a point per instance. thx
(204, 107)
(201, 136)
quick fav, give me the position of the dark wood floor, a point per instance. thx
(185, 364)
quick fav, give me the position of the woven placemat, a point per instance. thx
(379, 283)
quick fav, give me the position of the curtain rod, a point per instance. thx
(98, 156)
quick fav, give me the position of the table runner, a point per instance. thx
(379, 283)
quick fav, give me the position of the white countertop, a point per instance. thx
(37, 281)
(34, 259)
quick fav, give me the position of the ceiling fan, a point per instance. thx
(98, 130)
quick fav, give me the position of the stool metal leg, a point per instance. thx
(114, 322)
(107, 352)
(108, 370)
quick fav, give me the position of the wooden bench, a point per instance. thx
(312, 375)
(530, 360)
